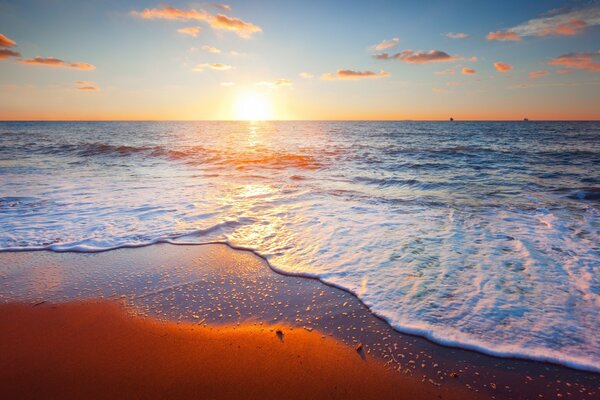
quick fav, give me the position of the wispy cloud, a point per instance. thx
(348, 74)
(6, 53)
(468, 71)
(219, 21)
(445, 72)
(418, 57)
(566, 23)
(502, 67)
(227, 84)
(306, 75)
(582, 61)
(5, 45)
(386, 44)
(87, 86)
(538, 74)
(276, 83)
(440, 89)
(210, 49)
(222, 7)
(215, 66)
(6, 42)
(192, 31)
(56, 62)
(504, 36)
(459, 35)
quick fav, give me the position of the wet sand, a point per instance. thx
(216, 294)
(96, 350)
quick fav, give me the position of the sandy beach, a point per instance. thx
(210, 321)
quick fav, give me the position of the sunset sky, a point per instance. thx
(104, 60)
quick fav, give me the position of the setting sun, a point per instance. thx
(252, 106)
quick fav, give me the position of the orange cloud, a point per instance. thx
(503, 36)
(192, 31)
(468, 71)
(456, 35)
(219, 21)
(418, 57)
(537, 74)
(386, 44)
(242, 28)
(567, 23)
(502, 67)
(347, 74)
(5, 53)
(6, 42)
(567, 29)
(583, 61)
(306, 75)
(215, 66)
(56, 62)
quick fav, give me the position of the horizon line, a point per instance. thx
(301, 120)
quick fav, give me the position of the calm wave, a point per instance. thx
(479, 234)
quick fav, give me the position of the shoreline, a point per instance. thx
(411, 332)
(306, 303)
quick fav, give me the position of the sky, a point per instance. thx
(315, 60)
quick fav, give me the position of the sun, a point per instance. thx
(252, 106)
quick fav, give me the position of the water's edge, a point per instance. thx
(426, 334)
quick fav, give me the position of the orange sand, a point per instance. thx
(95, 350)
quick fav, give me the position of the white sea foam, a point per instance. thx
(475, 235)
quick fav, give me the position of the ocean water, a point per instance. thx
(484, 235)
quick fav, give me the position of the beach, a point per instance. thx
(208, 320)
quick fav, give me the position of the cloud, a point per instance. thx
(222, 7)
(219, 21)
(6, 42)
(242, 28)
(537, 74)
(5, 53)
(468, 71)
(192, 31)
(418, 57)
(210, 49)
(502, 67)
(227, 84)
(566, 23)
(306, 75)
(277, 83)
(56, 62)
(347, 74)
(456, 35)
(440, 89)
(445, 72)
(215, 66)
(386, 44)
(504, 36)
(87, 86)
(583, 61)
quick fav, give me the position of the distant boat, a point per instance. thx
(525, 119)
(451, 119)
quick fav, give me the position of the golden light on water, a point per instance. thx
(253, 106)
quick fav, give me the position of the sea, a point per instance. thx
(481, 235)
